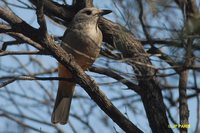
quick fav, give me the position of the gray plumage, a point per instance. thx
(82, 40)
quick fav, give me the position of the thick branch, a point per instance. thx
(65, 12)
(183, 105)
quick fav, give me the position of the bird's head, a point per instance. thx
(90, 14)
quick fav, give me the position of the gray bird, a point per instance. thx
(82, 40)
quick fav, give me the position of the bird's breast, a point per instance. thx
(84, 44)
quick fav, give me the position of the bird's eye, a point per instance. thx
(88, 12)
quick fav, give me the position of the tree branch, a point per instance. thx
(41, 18)
(34, 78)
(4, 53)
(4, 83)
(116, 76)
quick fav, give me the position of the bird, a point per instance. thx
(82, 40)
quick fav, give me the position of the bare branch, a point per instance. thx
(4, 53)
(26, 39)
(4, 83)
(41, 18)
(116, 76)
(34, 78)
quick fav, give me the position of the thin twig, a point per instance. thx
(4, 83)
(116, 76)
(34, 78)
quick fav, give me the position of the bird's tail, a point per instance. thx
(63, 99)
(62, 105)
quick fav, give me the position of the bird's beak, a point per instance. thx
(104, 12)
